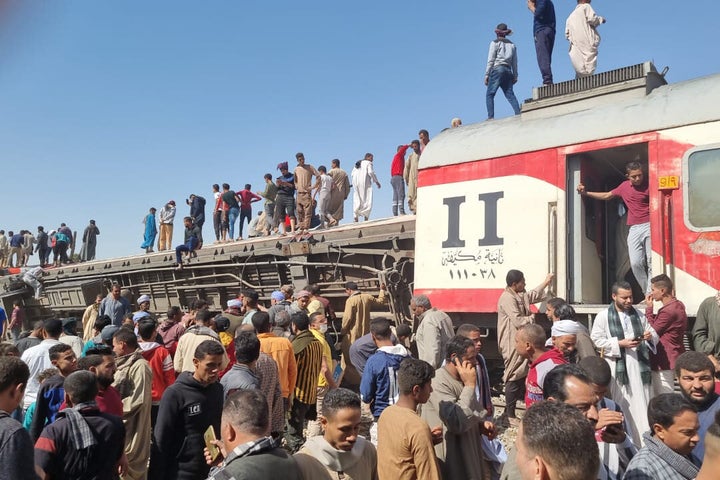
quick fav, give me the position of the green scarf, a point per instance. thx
(302, 340)
(616, 330)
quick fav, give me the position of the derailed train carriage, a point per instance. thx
(371, 253)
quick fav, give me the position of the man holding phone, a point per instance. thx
(611, 430)
(188, 407)
(625, 338)
(453, 405)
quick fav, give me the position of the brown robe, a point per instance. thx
(339, 194)
(513, 313)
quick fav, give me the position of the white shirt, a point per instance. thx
(37, 360)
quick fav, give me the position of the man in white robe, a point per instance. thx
(627, 349)
(362, 179)
(581, 31)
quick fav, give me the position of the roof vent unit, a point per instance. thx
(586, 92)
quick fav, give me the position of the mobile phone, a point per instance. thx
(637, 339)
(209, 437)
(614, 429)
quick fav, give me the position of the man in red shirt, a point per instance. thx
(101, 362)
(635, 194)
(530, 344)
(247, 198)
(397, 168)
(670, 322)
(161, 363)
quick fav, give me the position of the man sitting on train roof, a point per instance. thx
(635, 194)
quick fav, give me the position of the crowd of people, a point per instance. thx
(294, 203)
(289, 388)
(501, 71)
(16, 249)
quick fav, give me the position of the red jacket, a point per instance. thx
(670, 323)
(161, 364)
(246, 198)
(398, 162)
(536, 376)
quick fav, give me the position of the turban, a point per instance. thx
(565, 327)
(235, 303)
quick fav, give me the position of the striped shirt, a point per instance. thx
(309, 363)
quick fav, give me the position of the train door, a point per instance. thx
(597, 230)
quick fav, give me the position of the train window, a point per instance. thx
(701, 178)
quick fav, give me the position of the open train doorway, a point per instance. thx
(597, 230)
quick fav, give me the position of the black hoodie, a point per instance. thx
(187, 408)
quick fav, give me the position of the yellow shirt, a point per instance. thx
(327, 355)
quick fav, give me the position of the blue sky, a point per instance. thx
(109, 108)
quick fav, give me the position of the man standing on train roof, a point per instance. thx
(197, 212)
(150, 231)
(303, 184)
(410, 174)
(544, 32)
(635, 193)
(581, 32)
(285, 199)
(341, 191)
(87, 253)
(396, 180)
(424, 139)
(501, 70)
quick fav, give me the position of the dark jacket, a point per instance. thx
(16, 450)
(186, 410)
(670, 323)
(197, 209)
(378, 386)
(239, 377)
(268, 463)
(56, 455)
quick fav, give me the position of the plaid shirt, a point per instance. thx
(243, 450)
(659, 462)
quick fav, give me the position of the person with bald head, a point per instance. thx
(530, 345)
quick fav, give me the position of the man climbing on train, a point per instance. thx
(635, 194)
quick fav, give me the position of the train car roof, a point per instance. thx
(674, 105)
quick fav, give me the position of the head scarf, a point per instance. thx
(565, 327)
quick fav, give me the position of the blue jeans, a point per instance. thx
(188, 246)
(544, 43)
(500, 77)
(232, 216)
(640, 253)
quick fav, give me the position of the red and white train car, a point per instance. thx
(502, 194)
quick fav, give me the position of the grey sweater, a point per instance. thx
(16, 450)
